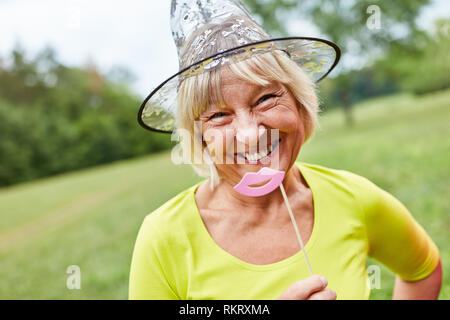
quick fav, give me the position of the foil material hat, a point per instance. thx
(209, 34)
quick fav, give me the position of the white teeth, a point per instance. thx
(257, 156)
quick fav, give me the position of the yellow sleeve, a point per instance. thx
(395, 238)
(147, 277)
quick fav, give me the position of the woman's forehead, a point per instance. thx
(232, 83)
(228, 77)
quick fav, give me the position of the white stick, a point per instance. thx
(295, 227)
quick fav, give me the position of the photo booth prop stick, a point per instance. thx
(276, 178)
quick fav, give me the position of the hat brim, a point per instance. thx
(317, 57)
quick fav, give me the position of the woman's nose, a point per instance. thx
(250, 135)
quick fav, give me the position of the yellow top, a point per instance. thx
(176, 258)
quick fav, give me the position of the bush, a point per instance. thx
(80, 119)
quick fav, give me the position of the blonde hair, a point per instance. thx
(197, 92)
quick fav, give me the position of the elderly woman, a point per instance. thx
(212, 242)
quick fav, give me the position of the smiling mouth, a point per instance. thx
(256, 157)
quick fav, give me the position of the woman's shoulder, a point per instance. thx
(366, 192)
(336, 177)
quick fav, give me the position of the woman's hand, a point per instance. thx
(312, 288)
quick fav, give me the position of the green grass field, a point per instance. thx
(90, 218)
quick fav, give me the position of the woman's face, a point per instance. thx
(256, 120)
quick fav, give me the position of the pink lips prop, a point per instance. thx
(264, 174)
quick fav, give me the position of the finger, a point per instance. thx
(326, 294)
(304, 288)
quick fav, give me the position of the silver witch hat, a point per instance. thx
(211, 33)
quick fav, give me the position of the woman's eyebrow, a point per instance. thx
(265, 89)
(269, 87)
(213, 108)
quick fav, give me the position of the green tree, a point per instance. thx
(425, 69)
(55, 118)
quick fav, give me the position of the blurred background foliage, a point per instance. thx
(55, 118)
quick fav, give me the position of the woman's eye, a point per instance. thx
(218, 115)
(266, 97)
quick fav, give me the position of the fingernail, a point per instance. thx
(324, 280)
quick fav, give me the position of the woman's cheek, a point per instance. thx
(216, 140)
(280, 118)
